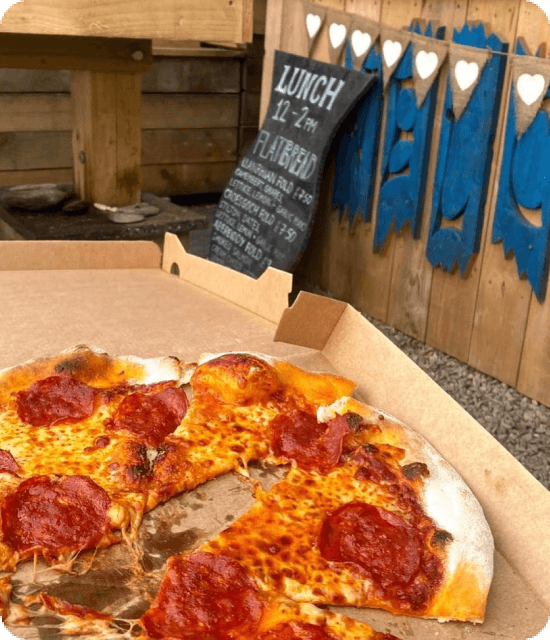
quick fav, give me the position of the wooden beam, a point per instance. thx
(107, 137)
(36, 51)
(201, 20)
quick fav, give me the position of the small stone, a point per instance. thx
(143, 208)
(33, 197)
(123, 217)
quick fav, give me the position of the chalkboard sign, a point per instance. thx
(265, 214)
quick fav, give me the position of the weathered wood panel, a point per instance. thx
(209, 20)
(193, 111)
(193, 75)
(174, 146)
(173, 180)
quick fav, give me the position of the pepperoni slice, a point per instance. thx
(55, 515)
(8, 463)
(204, 597)
(151, 416)
(313, 445)
(386, 547)
(297, 631)
(54, 400)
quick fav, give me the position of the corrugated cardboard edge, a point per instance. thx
(39, 255)
(267, 296)
(506, 490)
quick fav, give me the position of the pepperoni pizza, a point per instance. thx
(368, 514)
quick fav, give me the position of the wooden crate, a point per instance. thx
(489, 318)
(198, 112)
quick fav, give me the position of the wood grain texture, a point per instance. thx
(412, 274)
(107, 130)
(35, 176)
(173, 180)
(176, 146)
(24, 150)
(200, 20)
(37, 51)
(450, 329)
(193, 75)
(191, 111)
(35, 112)
(504, 298)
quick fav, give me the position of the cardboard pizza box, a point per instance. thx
(128, 298)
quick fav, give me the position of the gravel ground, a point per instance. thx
(520, 424)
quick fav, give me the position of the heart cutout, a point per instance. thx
(313, 24)
(426, 63)
(360, 42)
(337, 34)
(392, 52)
(530, 87)
(466, 73)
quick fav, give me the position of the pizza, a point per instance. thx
(367, 515)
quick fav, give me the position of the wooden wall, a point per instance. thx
(198, 113)
(490, 319)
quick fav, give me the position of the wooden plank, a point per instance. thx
(453, 299)
(173, 146)
(106, 137)
(35, 150)
(351, 271)
(53, 112)
(35, 112)
(37, 51)
(504, 299)
(35, 176)
(173, 180)
(193, 75)
(250, 109)
(34, 81)
(412, 274)
(193, 111)
(199, 20)
(193, 49)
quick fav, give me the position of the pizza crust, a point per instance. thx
(446, 499)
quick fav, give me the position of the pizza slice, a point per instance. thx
(368, 516)
(207, 596)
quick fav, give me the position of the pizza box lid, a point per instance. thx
(129, 298)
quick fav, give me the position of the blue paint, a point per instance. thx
(356, 161)
(525, 181)
(464, 161)
(405, 162)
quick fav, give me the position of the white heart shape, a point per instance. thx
(466, 73)
(426, 63)
(313, 24)
(530, 87)
(361, 42)
(392, 52)
(337, 34)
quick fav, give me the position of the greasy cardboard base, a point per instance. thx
(149, 312)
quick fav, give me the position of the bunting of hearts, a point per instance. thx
(466, 64)
(429, 55)
(531, 78)
(394, 44)
(314, 18)
(363, 34)
(338, 24)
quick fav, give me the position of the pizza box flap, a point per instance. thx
(267, 296)
(516, 505)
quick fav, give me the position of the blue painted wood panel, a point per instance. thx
(405, 162)
(464, 160)
(357, 155)
(525, 182)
